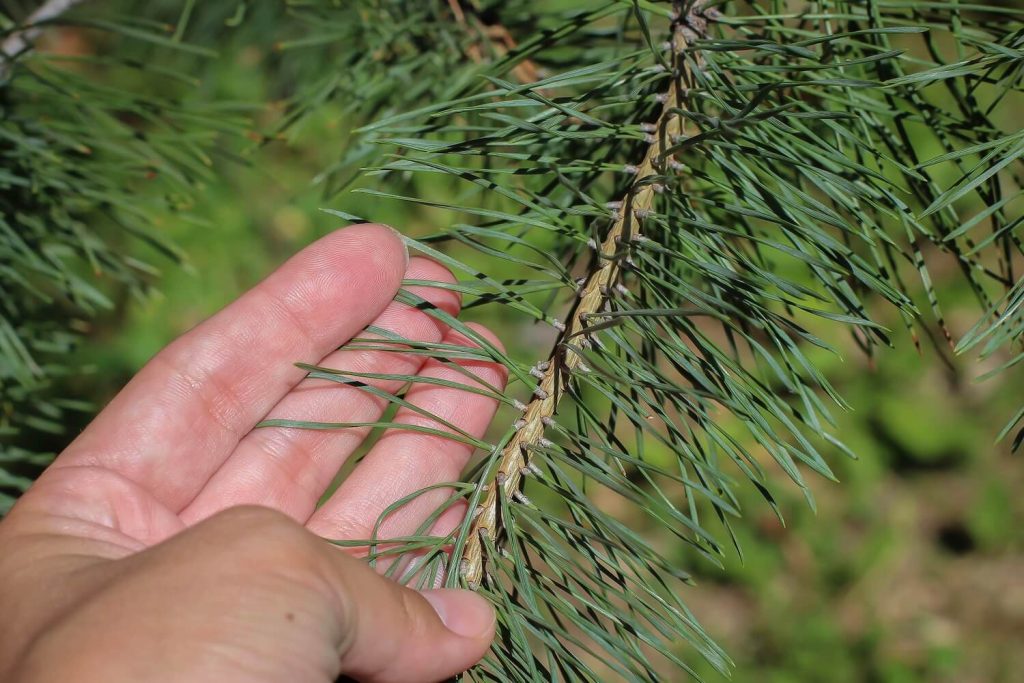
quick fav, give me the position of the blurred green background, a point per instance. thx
(912, 569)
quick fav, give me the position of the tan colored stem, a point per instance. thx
(593, 295)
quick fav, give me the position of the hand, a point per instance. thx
(139, 555)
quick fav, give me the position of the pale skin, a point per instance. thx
(172, 541)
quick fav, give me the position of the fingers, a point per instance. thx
(404, 461)
(172, 426)
(398, 635)
(289, 469)
(382, 632)
(249, 594)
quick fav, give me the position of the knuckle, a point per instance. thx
(412, 612)
(253, 516)
(265, 536)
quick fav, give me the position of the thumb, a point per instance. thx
(393, 633)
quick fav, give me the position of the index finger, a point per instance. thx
(180, 417)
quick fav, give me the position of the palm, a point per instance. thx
(177, 444)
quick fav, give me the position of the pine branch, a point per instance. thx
(21, 40)
(797, 199)
(593, 296)
(89, 167)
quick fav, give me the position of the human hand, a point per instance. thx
(139, 554)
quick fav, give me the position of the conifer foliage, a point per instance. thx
(84, 171)
(684, 193)
(679, 194)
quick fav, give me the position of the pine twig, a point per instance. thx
(22, 39)
(592, 297)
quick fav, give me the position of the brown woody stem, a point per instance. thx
(593, 295)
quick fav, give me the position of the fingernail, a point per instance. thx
(462, 612)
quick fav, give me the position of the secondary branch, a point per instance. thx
(603, 277)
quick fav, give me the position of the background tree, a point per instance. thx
(76, 157)
(685, 199)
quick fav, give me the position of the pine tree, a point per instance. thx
(680, 195)
(76, 157)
